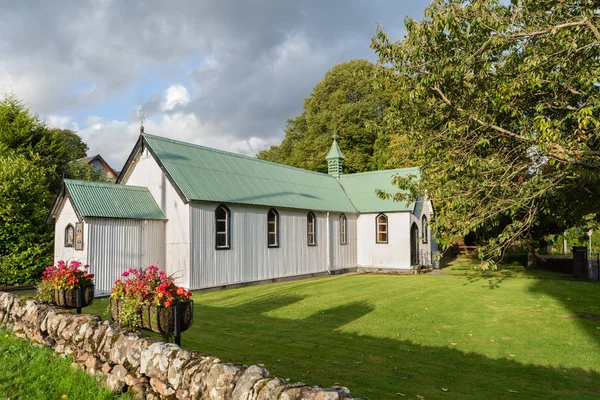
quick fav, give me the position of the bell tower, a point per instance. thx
(335, 159)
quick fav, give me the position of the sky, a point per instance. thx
(224, 74)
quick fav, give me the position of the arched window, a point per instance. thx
(424, 229)
(343, 229)
(69, 236)
(415, 256)
(222, 228)
(382, 228)
(273, 228)
(311, 229)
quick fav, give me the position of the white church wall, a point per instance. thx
(146, 172)
(66, 215)
(393, 254)
(116, 245)
(249, 258)
(428, 247)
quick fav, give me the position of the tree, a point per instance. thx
(23, 133)
(25, 238)
(33, 159)
(348, 103)
(504, 112)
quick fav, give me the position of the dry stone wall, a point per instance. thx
(146, 368)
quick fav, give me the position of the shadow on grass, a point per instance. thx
(575, 297)
(467, 266)
(573, 294)
(317, 350)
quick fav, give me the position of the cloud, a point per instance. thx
(62, 122)
(174, 96)
(223, 73)
(117, 138)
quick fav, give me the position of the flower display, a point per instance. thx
(149, 286)
(71, 276)
(145, 289)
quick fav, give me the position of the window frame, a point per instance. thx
(377, 231)
(343, 230)
(275, 234)
(72, 242)
(227, 231)
(310, 223)
(425, 229)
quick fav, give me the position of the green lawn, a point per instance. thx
(468, 266)
(479, 336)
(28, 372)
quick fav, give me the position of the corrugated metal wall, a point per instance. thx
(116, 245)
(249, 258)
(344, 256)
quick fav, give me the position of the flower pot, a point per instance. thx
(67, 298)
(162, 319)
(159, 319)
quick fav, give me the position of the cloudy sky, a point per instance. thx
(225, 74)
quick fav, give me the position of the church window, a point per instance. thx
(273, 228)
(311, 229)
(223, 228)
(343, 239)
(69, 236)
(382, 228)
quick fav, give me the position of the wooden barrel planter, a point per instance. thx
(170, 320)
(73, 298)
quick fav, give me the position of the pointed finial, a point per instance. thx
(141, 118)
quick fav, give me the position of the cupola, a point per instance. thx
(335, 159)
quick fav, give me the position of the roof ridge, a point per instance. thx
(236, 154)
(379, 171)
(243, 174)
(104, 184)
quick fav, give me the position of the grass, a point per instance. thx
(467, 335)
(468, 266)
(28, 372)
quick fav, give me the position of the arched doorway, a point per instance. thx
(414, 244)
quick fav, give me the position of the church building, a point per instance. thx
(213, 218)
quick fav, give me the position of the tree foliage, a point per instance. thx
(33, 160)
(25, 238)
(23, 133)
(347, 101)
(503, 110)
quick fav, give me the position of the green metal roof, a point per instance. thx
(106, 200)
(207, 174)
(361, 189)
(334, 151)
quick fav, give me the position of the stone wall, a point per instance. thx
(146, 368)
